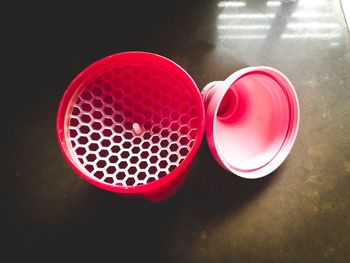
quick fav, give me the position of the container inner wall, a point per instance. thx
(252, 122)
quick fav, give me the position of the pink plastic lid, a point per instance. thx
(252, 120)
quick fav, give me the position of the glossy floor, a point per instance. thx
(300, 213)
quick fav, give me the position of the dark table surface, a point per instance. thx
(300, 213)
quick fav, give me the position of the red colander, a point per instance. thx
(131, 123)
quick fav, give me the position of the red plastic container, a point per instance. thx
(252, 120)
(131, 123)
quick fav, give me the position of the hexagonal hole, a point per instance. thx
(165, 122)
(115, 149)
(136, 140)
(107, 87)
(80, 151)
(125, 154)
(184, 141)
(103, 153)
(183, 151)
(134, 159)
(118, 106)
(73, 122)
(123, 165)
(145, 145)
(173, 157)
(97, 115)
(97, 91)
(174, 147)
(164, 143)
(132, 170)
(108, 99)
(96, 125)
(84, 129)
(126, 145)
(86, 95)
(184, 119)
(128, 125)
(83, 140)
(154, 149)
(163, 153)
(117, 139)
(111, 170)
(128, 135)
(135, 149)
(150, 180)
(93, 147)
(165, 133)
(144, 154)
(174, 136)
(118, 128)
(152, 170)
(109, 180)
(108, 122)
(72, 133)
(101, 163)
(154, 159)
(95, 136)
(89, 167)
(108, 111)
(113, 159)
(163, 164)
(141, 175)
(147, 135)
(97, 103)
(105, 143)
(130, 181)
(174, 126)
(143, 165)
(120, 175)
(107, 132)
(184, 130)
(174, 115)
(86, 107)
(172, 167)
(118, 118)
(156, 129)
(155, 139)
(193, 133)
(75, 111)
(162, 174)
(98, 174)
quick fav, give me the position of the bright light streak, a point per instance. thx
(249, 16)
(243, 27)
(313, 25)
(242, 37)
(311, 14)
(231, 4)
(308, 3)
(273, 3)
(335, 44)
(310, 35)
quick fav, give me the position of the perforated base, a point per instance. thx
(130, 125)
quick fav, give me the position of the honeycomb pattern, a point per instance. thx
(132, 125)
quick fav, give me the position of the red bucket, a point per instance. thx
(131, 123)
